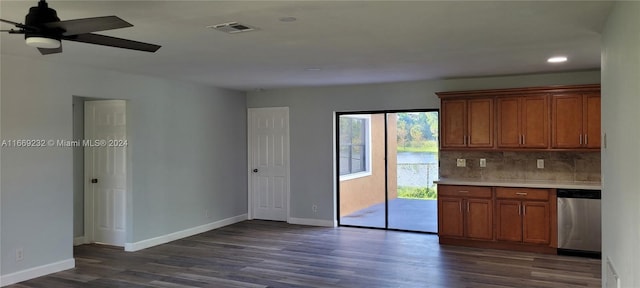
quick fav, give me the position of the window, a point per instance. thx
(354, 145)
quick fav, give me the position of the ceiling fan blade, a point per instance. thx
(113, 42)
(19, 25)
(10, 22)
(45, 51)
(13, 31)
(88, 25)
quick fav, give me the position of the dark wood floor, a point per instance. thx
(272, 254)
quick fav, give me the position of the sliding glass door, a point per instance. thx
(387, 164)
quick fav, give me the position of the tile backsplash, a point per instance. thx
(558, 166)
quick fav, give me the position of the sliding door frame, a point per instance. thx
(386, 168)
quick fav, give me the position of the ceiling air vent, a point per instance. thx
(232, 27)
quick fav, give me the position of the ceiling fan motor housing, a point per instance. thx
(39, 15)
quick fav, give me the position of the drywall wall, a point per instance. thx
(620, 157)
(312, 123)
(187, 144)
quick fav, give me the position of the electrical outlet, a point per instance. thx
(461, 163)
(19, 254)
(314, 208)
(206, 213)
(540, 163)
(483, 162)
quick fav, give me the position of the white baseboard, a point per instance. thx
(131, 247)
(312, 222)
(36, 272)
(79, 241)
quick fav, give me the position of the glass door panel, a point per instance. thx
(362, 170)
(412, 159)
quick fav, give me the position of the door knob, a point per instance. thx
(255, 170)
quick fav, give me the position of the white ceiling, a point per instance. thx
(351, 42)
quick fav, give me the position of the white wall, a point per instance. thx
(188, 146)
(311, 123)
(620, 158)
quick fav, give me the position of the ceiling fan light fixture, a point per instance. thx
(43, 42)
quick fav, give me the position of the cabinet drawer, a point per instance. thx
(522, 193)
(464, 191)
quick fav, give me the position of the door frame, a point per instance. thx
(336, 157)
(250, 138)
(89, 219)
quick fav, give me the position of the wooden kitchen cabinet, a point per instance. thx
(576, 120)
(523, 215)
(522, 122)
(450, 217)
(465, 212)
(532, 118)
(467, 123)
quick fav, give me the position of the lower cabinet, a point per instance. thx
(523, 215)
(495, 217)
(465, 211)
(522, 221)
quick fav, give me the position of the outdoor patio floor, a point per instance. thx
(404, 214)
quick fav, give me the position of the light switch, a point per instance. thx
(483, 162)
(461, 163)
(540, 163)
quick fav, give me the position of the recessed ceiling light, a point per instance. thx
(557, 59)
(288, 19)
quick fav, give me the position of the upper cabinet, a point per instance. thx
(538, 118)
(522, 122)
(576, 121)
(467, 123)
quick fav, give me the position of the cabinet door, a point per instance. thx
(450, 220)
(566, 119)
(534, 121)
(480, 123)
(508, 111)
(591, 121)
(535, 218)
(453, 123)
(479, 218)
(508, 220)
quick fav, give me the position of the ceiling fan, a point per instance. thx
(44, 30)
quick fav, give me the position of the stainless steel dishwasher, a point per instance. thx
(579, 222)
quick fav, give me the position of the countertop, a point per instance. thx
(523, 183)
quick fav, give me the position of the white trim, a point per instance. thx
(79, 241)
(312, 222)
(131, 247)
(356, 175)
(36, 272)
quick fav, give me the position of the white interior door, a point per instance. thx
(105, 171)
(269, 163)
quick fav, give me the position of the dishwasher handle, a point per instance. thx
(579, 193)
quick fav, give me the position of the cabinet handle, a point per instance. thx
(463, 191)
(521, 193)
(467, 206)
(524, 141)
(585, 139)
(524, 210)
(519, 209)
(460, 207)
(580, 139)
